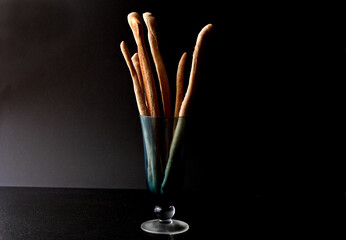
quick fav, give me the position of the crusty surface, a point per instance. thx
(136, 86)
(194, 69)
(136, 64)
(180, 84)
(150, 22)
(136, 25)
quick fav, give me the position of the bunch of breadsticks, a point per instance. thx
(142, 75)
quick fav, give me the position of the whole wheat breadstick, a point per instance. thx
(180, 84)
(150, 21)
(194, 69)
(137, 88)
(136, 64)
(136, 25)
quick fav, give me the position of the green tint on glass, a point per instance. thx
(163, 140)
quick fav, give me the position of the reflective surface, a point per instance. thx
(88, 214)
(172, 228)
(163, 141)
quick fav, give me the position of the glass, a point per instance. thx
(163, 141)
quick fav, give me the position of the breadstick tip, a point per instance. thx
(135, 55)
(206, 29)
(209, 25)
(147, 15)
(134, 17)
(149, 20)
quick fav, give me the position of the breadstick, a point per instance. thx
(138, 91)
(180, 84)
(135, 61)
(150, 21)
(194, 69)
(148, 79)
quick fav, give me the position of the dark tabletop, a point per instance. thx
(58, 213)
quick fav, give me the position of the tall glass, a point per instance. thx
(163, 141)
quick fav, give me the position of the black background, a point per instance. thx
(268, 87)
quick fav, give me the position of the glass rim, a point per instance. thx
(161, 117)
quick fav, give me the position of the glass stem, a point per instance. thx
(164, 214)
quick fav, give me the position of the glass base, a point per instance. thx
(156, 227)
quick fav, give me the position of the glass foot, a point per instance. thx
(171, 228)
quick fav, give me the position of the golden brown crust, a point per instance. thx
(194, 68)
(180, 84)
(136, 86)
(148, 78)
(150, 22)
(136, 64)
